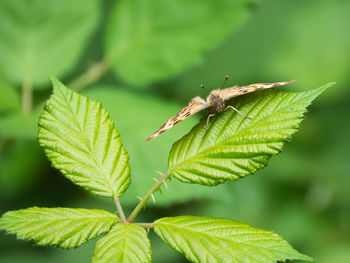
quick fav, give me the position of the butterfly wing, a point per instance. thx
(235, 91)
(195, 105)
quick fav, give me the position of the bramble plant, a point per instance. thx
(81, 141)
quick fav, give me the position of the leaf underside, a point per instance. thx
(233, 146)
(63, 227)
(80, 140)
(125, 243)
(209, 239)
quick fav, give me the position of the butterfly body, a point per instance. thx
(215, 102)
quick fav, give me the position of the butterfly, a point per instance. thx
(215, 102)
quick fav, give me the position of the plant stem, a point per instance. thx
(90, 76)
(27, 97)
(119, 208)
(94, 73)
(143, 201)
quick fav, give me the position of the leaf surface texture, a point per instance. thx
(125, 243)
(209, 239)
(80, 140)
(63, 227)
(233, 146)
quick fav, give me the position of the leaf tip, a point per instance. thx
(304, 257)
(57, 84)
(318, 91)
(54, 80)
(326, 86)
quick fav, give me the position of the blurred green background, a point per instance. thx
(145, 60)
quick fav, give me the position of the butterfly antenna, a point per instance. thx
(202, 86)
(223, 84)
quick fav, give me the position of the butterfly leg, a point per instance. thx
(231, 107)
(207, 126)
(209, 116)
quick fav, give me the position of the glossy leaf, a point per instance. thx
(63, 227)
(233, 146)
(125, 243)
(209, 239)
(40, 37)
(79, 138)
(149, 41)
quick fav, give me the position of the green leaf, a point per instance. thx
(39, 38)
(79, 138)
(149, 41)
(282, 49)
(118, 102)
(138, 116)
(209, 239)
(233, 146)
(20, 126)
(125, 243)
(63, 227)
(9, 97)
(22, 164)
(312, 66)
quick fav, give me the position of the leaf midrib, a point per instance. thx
(64, 218)
(199, 156)
(218, 237)
(240, 133)
(82, 135)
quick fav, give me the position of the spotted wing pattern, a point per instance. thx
(195, 105)
(235, 91)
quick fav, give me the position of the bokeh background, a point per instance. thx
(145, 59)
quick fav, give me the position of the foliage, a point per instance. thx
(208, 239)
(138, 41)
(234, 147)
(63, 227)
(34, 35)
(164, 51)
(124, 243)
(81, 141)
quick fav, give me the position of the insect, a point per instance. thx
(215, 102)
